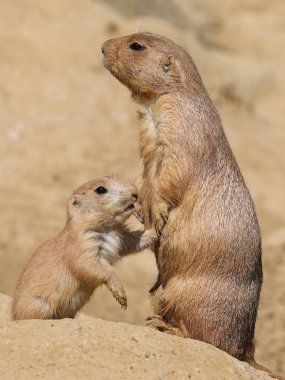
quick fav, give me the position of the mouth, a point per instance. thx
(106, 63)
(129, 208)
(112, 68)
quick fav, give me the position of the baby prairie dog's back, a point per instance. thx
(62, 274)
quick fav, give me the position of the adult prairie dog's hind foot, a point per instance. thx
(158, 323)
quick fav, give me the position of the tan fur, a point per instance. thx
(62, 274)
(192, 192)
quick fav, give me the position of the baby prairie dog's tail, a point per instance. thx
(264, 369)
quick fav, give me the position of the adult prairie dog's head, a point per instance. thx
(150, 65)
(102, 203)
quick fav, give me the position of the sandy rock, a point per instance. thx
(5, 307)
(88, 348)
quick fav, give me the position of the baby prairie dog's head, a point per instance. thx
(149, 65)
(102, 204)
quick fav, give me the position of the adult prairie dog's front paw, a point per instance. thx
(138, 212)
(138, 208)
(160, 214)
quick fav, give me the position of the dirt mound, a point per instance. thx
(88, 348)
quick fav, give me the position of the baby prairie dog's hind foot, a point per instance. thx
(33, 307)
(116, 288)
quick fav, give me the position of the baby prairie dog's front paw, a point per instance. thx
(149, 238)
(121, 297)
(151, 235)
(118, 291)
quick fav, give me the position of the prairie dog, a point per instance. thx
(192, 192)
(62, 274)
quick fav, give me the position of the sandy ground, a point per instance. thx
(64, 120)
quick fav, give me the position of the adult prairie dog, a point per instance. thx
(62, 274)
(192, 191)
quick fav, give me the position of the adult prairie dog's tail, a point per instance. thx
(264, 369)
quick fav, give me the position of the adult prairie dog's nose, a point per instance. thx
(109, 45)
(105, 46)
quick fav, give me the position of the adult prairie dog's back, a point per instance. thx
(62, 274)
(192, 191)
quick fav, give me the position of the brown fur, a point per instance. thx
(209, 254)
(62, 274)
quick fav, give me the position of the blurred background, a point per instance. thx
(64, 120)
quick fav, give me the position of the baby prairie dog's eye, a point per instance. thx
(136, 46)
(101, 190)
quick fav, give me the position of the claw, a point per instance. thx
(139, 217)
(124, 306)
(164, 217)
(159, 228)
(122, 301)
(153, 317)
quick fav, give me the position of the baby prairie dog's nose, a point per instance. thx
(135, 195)
(134, 192)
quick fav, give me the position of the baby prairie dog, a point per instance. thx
(193, 193)
(62, 274)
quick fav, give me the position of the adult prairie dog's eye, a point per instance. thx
(136, 46)
(101, 190)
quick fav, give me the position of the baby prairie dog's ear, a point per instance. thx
(75, 201)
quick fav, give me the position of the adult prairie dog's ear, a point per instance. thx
(168, 63)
